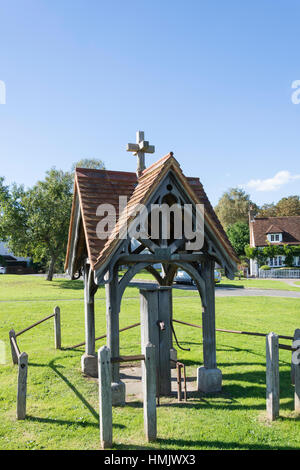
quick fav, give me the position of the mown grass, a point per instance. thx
(259, 284)
(62, 405)
(35, 288)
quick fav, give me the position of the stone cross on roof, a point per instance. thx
(140, 148)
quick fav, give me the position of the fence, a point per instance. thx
(272, 367)
(105, 394)
(22, 358)
(272, 375)
(104, 336)
(280, 273)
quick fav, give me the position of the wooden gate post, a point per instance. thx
(22, 386)
(296, 337)
(272, 376)
(105, 400)
(149, 392)
(14, 355)
(57, 329)
(297, 388)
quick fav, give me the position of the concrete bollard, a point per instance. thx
(105, 399)
(272, 376)
(22, 386)
(57, 329)
(149, 392)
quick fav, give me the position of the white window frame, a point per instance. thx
(275, 237)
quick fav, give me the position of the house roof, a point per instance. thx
(274, 229)
(288, 226)
(95, 187)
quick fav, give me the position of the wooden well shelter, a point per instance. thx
(99, 259)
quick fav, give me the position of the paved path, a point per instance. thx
(231, 291)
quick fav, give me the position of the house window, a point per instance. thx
(275, 237)
(277, 261)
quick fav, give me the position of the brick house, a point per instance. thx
(275, 231)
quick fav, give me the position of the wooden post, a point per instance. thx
(113, 336)
(14, 355)
(89, 359)
(296, 337)
(105, 400)
(57, 329)
(149, 392)
(272, 376)
(178, 381)
(89, 315)
(22, 386)
(297, 388)
(165, 339)
(149, 319)
(208, 317)
(209, 377)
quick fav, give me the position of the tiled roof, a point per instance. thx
(288, 226)
(95, 187)
(274, 229)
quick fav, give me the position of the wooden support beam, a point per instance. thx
(15, 352)
(22, 386)
(272, 376)
(57, 328)
(161, 257)
(105, 398)
(149, 392)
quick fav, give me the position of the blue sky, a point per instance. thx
(208, 80)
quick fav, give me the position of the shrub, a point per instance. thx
(265, 267)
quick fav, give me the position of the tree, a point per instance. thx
(35, 222)
(233, 207)
(267, 210)
(238, 235)
(288, 206)
(92, 163)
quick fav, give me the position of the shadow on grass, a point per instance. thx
(92, 410)
(74, 389)
(64, 422)
(175, 444)
(68, 284)
(229, 286)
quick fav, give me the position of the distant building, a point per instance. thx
(275, 231)
(14, 264)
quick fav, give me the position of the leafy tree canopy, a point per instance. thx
(92, 163)
(35, 222)
(238, 235)
(287, 206)
(233, 207)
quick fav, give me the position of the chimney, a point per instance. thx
(251, 214)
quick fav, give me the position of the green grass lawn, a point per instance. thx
(259, 284)
(33, 288)
(62, 405)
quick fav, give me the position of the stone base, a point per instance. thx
(89, 365)
(118, 393)
(209, 380)
(173, 356)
